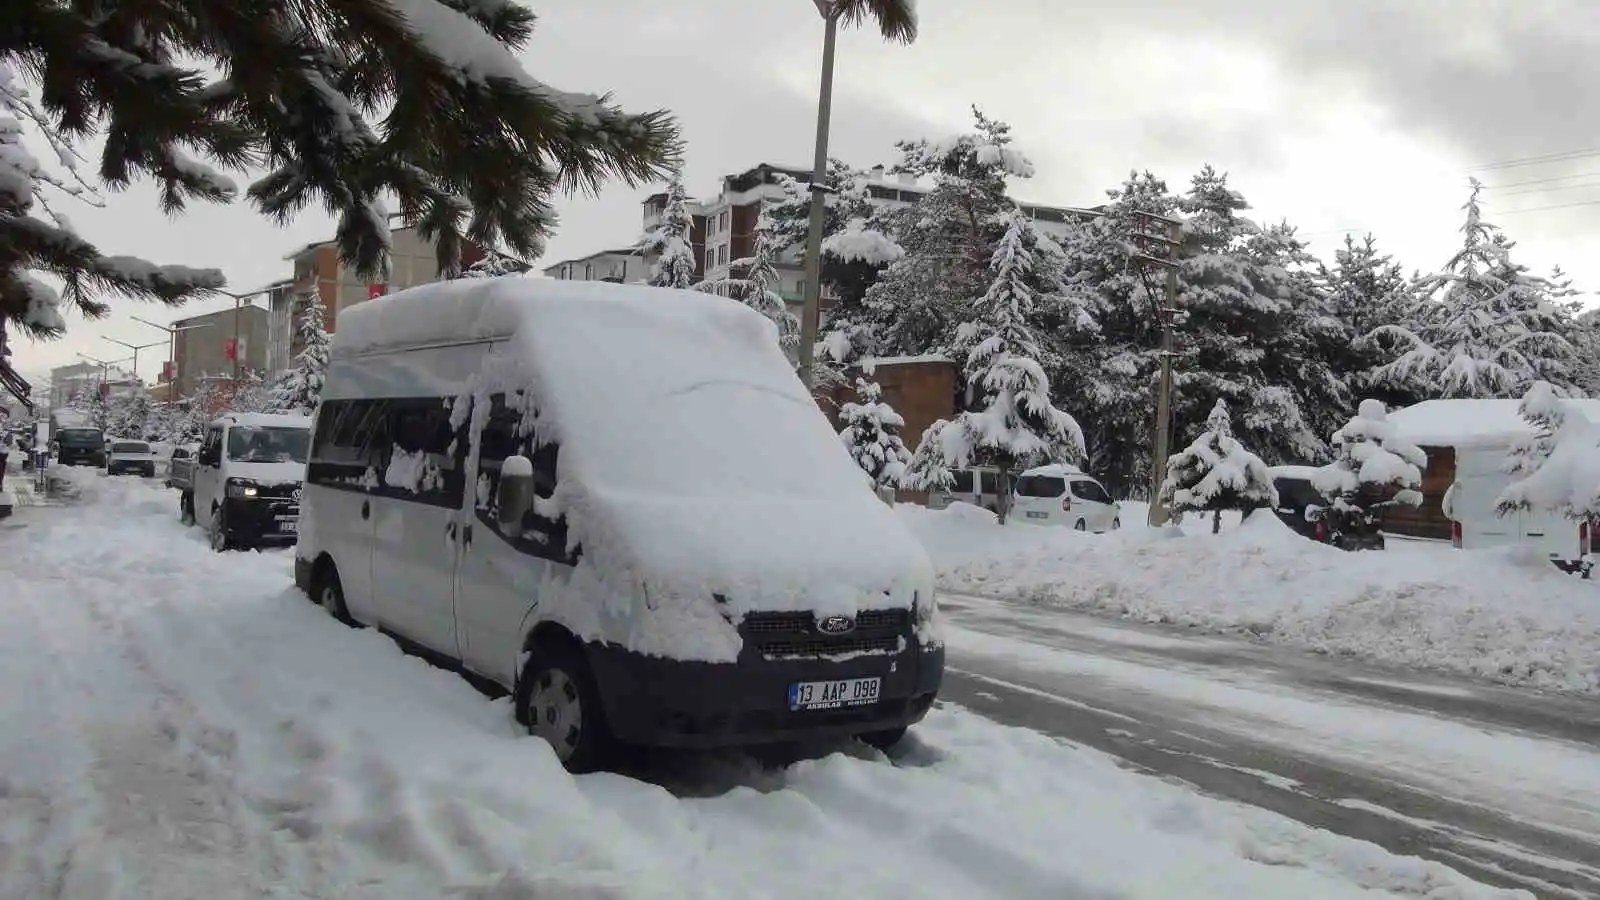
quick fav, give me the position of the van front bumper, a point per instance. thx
(653, 701)
(253, 522)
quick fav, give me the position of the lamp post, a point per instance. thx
(135, 348)
(172, 346)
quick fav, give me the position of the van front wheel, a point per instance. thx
(557, 701)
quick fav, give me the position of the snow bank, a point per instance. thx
(692, 460)
(1495, 614)
(215, 735)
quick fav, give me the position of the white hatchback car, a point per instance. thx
(1063, 495)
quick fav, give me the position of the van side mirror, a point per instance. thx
(514, 496)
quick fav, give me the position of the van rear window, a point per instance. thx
(1041, 486)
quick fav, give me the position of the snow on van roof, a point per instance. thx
(690, 453)
(1471, 423)
(1058, 470)
(264, 420)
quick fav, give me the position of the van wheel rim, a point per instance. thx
(218, 539)
(555, 712)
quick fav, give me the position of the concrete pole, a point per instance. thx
(811, 311)
(1163, 436)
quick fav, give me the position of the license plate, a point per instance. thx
(1038, 515)
(834, 694)
(289, 526)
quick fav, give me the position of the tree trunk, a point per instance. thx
(1216, 521)
(1002, 500)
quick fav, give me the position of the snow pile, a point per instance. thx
(215, 735)
(1495, 614)
(692, 461)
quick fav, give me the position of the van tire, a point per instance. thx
(557, 702)
(217, 531)
(883, 740)
(328, 593)
(186, 509)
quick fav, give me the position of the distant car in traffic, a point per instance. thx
(131, 456)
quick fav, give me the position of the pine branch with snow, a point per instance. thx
(871, 433)
(1216, 472)
(930, 467)
(300, 388)
(1374, 465)
(1556, 468)
(495, 265)
(670, 242)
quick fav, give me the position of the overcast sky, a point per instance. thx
(1334, 114)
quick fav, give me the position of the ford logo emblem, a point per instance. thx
(296, 495)
(836, 625)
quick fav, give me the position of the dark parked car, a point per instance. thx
(80, 447)
(1303, 508)
(1295, 497)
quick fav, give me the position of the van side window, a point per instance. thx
(422, 460)
(1084, 489)
(211, 448)
(989, 483)
(505, 433)
(350, 443)
(961, 481)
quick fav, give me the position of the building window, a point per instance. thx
(724, 225)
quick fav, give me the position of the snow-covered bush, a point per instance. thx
(1216, 472)
(1373, 465)
(1557, 467)
(671, 241)
(300, 388)
(1015, 425)
(493, 265)
(871, 433)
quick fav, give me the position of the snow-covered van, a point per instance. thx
(247, 478)
(979, 486)
(1060, 494)
(1470, 504)
(621, 504)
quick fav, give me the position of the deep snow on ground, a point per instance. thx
(180, 724)
(1498, 614)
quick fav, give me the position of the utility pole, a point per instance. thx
(1166, 315)
(811, 295)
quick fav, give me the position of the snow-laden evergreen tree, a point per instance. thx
(1374, 466)
(754, 282)
(1014, 424)
(1556, 466)
(929, 467)
(341, 104)
(670, 242)
(300, 388)
(1365, 289)
(1216, 472)
(871, 433)
(249, 393)
(494, 265)
(1488, 329)
(128, 414)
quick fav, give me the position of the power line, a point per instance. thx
(1516, 184)
(1549, 190)
(1536, 160)
(1512, 212)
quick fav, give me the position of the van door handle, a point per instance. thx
(366, 509)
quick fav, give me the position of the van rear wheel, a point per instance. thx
(186, 509)
(882, 740)
(558, 702)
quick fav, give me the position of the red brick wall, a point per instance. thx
(921, 392)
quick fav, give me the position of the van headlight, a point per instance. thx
(237, 488)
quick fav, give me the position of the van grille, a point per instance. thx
(794, 634)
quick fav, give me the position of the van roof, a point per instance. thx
(690, 453)
(264, 420)
(1058, 470)
(1472, 423)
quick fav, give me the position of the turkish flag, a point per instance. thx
(376, 289)
(166, 371)
(230, 348)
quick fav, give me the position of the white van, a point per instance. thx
(978, 485)
(621, 504)
(245, 488)
(1062, 495)
(1470, 505)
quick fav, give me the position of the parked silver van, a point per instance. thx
(621, 504)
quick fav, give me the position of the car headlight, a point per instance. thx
(239, 489)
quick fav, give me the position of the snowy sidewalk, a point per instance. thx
(181, 724)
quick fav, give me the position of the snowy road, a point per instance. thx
(1500, 783)
(179, 724)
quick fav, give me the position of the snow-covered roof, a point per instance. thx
(1471, 423)
(264, 420)
(1055, 470)
(873, 362)
(1293, 471)
(690, 452)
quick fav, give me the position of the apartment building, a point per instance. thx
(71, 380)
(207, 346)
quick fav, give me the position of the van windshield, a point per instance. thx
(267, 443)
(84, 437)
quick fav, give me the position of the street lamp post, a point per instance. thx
(811, 297)
(172, 347)
(135, 348)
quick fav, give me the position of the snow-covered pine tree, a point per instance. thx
(1373, 465)
(871, 433)
(465, 140)
(1015, 425)
(1365, 289)
(671, 241)
(127, 416)
(1488, 329)
(494, 265)
(754, 282)
(1216, 472)
(929, 468)
(300, 388)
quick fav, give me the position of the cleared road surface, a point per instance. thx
(1502, 784)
